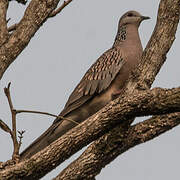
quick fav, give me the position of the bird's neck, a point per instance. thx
(126, 35)
(121, 36)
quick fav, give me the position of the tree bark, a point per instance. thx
(35, 15)
(3, 23)
(114, 143)
(137, 100)
(156, 101)
(141, 78)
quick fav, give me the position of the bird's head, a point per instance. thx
(132, 17)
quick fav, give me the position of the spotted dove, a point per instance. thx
(103, 81)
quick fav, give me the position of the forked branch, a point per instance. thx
(58, 10)
(12, 132)
(114, 143)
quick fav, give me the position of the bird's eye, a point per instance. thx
(130, 14)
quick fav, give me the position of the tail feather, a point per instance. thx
(40, 143)
(57, 129)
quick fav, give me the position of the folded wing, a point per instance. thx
(97, 79)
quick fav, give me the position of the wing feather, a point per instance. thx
(97, 79)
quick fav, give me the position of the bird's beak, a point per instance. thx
(144, 18)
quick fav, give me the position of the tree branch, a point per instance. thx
(57, 11)
(35, 15)
(156, 101)
(12, 132)
(3, 23)
(157, 48)
(108, 147)
(143, 76)
(4, 127)
(152, 60)
(15, 155)
(54, 13)
(45, 113)
(21, 1)
(168, 19)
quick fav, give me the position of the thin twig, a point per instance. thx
(13, 132)
(4, 127)
(7, 93)
(57, 11)
(8, 20)
(20, 137)
(45, 113)
(54, 13)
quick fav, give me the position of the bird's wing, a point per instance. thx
(97, 79)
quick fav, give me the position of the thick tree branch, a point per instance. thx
(158, 46)
(35, 15)
(143, 77)
(3, 23)
(56, 153)
(156, 101)
(108, 147)
(54, 13)
(20, 1)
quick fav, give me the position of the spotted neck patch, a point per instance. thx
(121, 35)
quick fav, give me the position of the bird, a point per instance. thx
(102, 83)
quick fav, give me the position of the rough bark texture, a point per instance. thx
(35, 15)
(142, 77)
(114, 143)
(158, 46)
(156, 101)
(140, 101)
(3, 23)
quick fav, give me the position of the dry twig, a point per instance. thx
(57, 11)
(13, 131)
(45, 113)
(54, 13)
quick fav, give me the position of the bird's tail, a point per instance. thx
(59, 127)
(41, 142)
